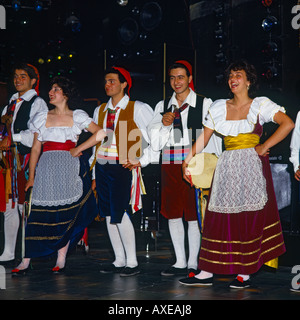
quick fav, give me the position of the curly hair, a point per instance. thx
(69, 90)
(249, 70)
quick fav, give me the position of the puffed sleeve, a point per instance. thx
(268, 108)
(81, 119)
(38, 122)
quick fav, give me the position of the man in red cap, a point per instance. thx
(176, 124)
(116, 165)
(16, 145)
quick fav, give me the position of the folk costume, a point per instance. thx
(295, 144)
(21, 111)
(242, 229)
(177, 197)
(63, 203)
(119, 189)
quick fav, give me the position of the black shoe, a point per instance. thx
(173, 272)
(128, 272)
(237, 284)
(194, 282)
(111, 268)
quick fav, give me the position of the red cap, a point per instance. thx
(127, 77)
(37, 87)
(189, 67)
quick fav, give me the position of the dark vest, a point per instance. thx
(21, 121)
(194, 116)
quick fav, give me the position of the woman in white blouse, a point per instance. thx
(242, 230)
(62, 201)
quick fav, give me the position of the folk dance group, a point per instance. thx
(241, 229)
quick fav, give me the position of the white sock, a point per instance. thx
(24, 264)
(194, 238)
(244, 276)
(127, 234)
(116, 242)
(11, 226)
(176, 229)
(61, 256)
(204, 275)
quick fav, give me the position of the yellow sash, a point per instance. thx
(241, 141)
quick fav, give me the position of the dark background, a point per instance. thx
(145, 37)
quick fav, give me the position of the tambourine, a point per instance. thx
(202, 167)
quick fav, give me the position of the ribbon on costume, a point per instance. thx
(137, 190)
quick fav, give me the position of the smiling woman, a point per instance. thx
(62, 200)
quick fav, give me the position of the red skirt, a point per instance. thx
(240, 243)
(177, 196)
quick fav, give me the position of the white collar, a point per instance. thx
(122, 104)
(26, 96)
(190, 99)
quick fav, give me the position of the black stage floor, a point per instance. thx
(83, 281)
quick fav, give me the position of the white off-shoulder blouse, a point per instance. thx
(81, 121)
(260, 106)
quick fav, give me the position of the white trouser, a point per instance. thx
(11, 227)
(177, 234)
(122, 238)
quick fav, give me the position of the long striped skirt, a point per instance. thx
(50, 228)
(240, 243)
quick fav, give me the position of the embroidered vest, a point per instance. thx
(128, 136)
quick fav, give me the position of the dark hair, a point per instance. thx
(30, 71)
(250, 73)
(121, 77)
(179, 65)
(69, 90)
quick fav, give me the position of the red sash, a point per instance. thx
(66, 146)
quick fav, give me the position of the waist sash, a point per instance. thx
(241, 141)
(51, 145)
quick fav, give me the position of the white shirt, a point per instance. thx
(81, 121)
(295, 144)
(26, 136)
(162, 136)
(143, 114)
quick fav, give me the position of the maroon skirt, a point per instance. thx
(240, 243)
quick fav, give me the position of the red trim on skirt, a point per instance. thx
(242, 242)
(177, 196)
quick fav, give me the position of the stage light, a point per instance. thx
(269, 23)
(16, 5)
(38, 6)
(270, 49)
(128, 31)
(74, 22)
(122, 2)
(151, 16)
(270, 72)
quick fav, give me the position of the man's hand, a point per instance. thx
(168, 118)
(297, 174)
(4, 144)
(131, 164)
